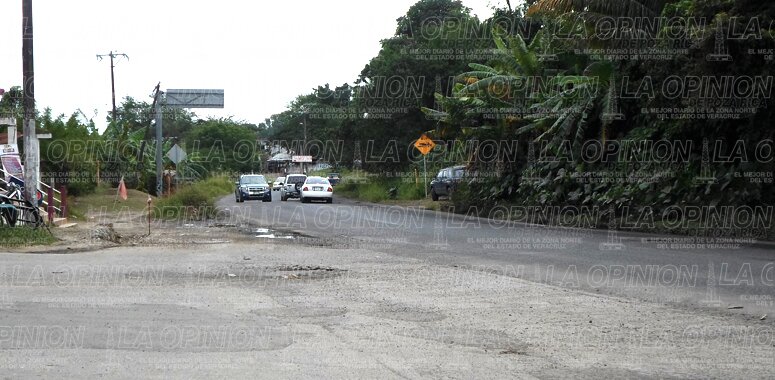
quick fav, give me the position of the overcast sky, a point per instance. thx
(263, 54)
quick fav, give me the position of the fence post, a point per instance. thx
(63, 201)
(50, 208)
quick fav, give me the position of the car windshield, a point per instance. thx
(296, 179)
(317, 181)
(253, 180)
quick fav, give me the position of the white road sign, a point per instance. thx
(176, 154)
(207, 98)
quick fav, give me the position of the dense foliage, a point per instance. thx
(545, 79)
(78, 153)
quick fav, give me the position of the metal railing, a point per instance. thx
(57, 206)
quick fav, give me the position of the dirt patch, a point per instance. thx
(106, 229)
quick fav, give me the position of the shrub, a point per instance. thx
(411, 191)
(195, 201)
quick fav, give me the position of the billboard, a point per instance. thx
(10, 161)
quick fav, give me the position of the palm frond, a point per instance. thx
(614, 8)
(474, 74)
(531, 127)
(484, 68)
(484, 84)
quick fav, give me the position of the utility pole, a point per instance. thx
(159, 140)
(112, 55)
(31, 158)
(304, 147)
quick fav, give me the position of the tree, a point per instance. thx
(597, 8)
(70, 158)
(431, 46)
(221, 145)
(11, 103)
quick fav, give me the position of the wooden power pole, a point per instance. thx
(112, 56)
(31, 154)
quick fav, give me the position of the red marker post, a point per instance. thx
(50, 208)
(149, 215)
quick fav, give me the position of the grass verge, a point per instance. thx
(195, 201)
(372, 188)
(18, 237)
(104, 198)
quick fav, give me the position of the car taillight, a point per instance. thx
(330, 189)
(305, 189)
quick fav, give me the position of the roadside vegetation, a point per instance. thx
(195, 201)
(105, 198)
(529, 76)
(19, 237)
(360, 185)
(544, 90)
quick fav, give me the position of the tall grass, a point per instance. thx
(195, 201)
(377, 189)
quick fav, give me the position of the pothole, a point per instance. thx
(298, 268)
(270, 234)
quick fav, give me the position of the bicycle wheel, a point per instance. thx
(9, 215)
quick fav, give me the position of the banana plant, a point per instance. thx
(146, 165)
(566, 114)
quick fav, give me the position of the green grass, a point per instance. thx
(363, 186)
(24, 236)
(104, 197)
(191, 200)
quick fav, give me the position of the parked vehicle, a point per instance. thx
(446, 181)
(252, 186)
(317, 188)
(292, 186)
(278, 183)
(333, 178)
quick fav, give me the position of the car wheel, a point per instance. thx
(239, 198)
(329, 200)
(304, 200)
(282, 198)
(434, 196)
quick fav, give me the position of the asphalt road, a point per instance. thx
(374, 292)
(663, 269)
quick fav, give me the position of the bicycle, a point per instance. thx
(17, 208)
(8, 212)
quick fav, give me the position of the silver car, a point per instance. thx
(292, 186)
(278, 183)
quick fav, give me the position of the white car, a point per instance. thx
(317, 188)
(278, 183)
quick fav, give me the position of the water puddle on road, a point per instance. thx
(267, 233)
(252, 231)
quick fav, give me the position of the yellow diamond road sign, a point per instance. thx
(424, 144)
